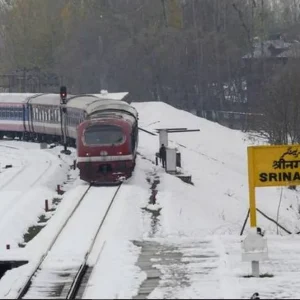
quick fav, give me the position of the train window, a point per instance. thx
(103, 135)
(50, 115)
(2, 112)
(77, 116)
(20, 115)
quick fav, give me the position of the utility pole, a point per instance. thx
(63, 102)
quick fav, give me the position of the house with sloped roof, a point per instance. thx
(266, 58)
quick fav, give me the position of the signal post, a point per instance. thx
(63, 102)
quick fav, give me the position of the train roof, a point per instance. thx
(111, 105)
(92, 104)
(45, 99)
(15, 97)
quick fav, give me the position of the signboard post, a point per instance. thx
(277, 165)
(252, 201)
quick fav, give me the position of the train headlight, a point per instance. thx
(103, 153)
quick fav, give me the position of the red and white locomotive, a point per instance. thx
(103, 127)
(106, 140)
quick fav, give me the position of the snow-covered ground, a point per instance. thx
(200, 224)
(32, 178)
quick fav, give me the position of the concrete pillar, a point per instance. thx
(163, 138)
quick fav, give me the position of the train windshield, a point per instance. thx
(103, 135)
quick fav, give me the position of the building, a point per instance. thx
(267, 58)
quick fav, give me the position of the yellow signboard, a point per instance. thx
(274, 165)
(271, 166)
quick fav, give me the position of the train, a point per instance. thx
(102, 127)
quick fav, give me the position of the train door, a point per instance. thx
(26, 118)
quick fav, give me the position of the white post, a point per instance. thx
(163, 138)
(255, 268)
(254, 250)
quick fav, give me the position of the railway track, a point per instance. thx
(64, 269)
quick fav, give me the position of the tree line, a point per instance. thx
(184, 52)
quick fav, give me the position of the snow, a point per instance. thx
(116, 285)
(112, 96)
(190, 238)
(25, 187)
(71, 244)
(14, 97)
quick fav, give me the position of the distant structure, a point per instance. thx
(267, 57)
(260, 64)
(29, 81)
